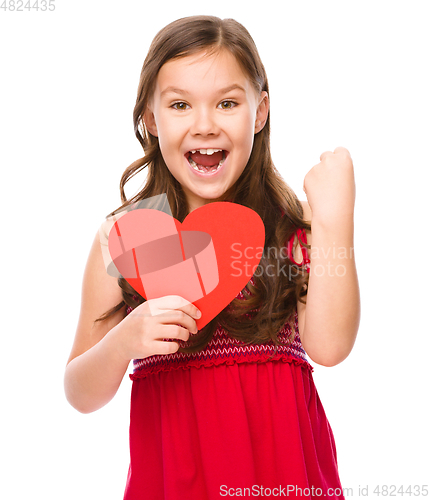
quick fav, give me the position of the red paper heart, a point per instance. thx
(208, 259)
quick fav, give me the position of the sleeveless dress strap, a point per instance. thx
(301, 235)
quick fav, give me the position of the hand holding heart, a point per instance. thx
(160, 258)
(330, 187)
(207, 259)
(143, 332)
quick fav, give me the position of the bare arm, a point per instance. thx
(102, 351)
(95, 370)
(329, 321)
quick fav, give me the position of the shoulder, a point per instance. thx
(100, 292)
(298, 257)
(307, 215)
(306, 210)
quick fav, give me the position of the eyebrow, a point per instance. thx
(176, 90)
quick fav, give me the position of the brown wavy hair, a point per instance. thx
(270, 298)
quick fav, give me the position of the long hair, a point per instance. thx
(270, 298)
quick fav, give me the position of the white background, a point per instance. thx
(345, 73)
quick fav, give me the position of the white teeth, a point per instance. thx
(195, 166)
(202, 170)
(206, 151)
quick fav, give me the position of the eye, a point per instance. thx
(227, 104)
(180, 106)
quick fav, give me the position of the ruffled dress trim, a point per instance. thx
(217, 362)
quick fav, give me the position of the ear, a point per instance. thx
(262, 112)
(149, 121)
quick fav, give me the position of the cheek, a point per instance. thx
(244, 131)
(168, 138)
(245, 141)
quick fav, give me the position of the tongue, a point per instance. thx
(207, 160)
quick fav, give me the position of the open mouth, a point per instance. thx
(206, 161)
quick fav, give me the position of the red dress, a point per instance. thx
(231, 420)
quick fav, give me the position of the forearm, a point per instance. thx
(92, 379)
(333, 298)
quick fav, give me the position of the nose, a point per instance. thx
(204, 123)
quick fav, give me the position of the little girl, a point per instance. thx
(230, 410)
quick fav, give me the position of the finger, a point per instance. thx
(163, 347)
(178, 317)
(340, 149)
(174, 332)
(158, 306)
(325, 154)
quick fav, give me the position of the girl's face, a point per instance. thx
(205, 113)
